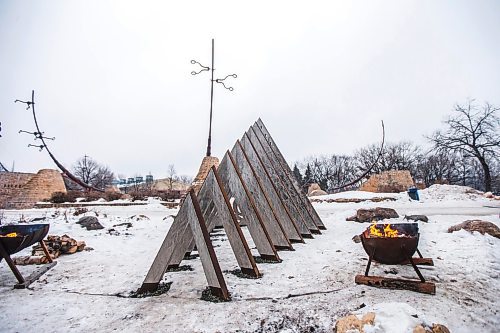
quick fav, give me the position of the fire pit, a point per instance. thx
(14, 238)
(394, 244)
(391, 243)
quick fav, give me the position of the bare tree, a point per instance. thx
(172, 176)
(92, 173)
(474, 132)
(85, 169)
(186, 179)
(402, 155)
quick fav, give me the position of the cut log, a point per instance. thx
(401, 284)
(30, 260)
(81, 245)
(420, 261)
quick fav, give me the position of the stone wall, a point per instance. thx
(23, 190)
(393, 181)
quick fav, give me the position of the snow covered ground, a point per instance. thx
(307, 292)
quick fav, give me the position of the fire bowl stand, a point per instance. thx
(22, 282)
(403, 284)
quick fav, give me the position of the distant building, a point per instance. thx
(23, 190)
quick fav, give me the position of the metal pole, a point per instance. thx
(211, 103)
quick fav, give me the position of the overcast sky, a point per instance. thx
(112, 78)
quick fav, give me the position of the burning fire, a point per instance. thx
(12, 234)
(386, 232)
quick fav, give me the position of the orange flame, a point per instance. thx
(12, 234)
(387, 231)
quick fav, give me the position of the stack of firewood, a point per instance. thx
(57, 245)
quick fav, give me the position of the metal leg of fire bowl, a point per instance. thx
(416, 269)
(419, 254)
(11, 264)
(369, 262)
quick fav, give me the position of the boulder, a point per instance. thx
(352, 323)
(316, 193)
(420, 329)
(438, 328)
(477, 225)
(378, 213)
(315, 190)
(488, 195)
(90, 222)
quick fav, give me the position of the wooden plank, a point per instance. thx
(281, 159)
(273, 225)
(401, 284)
(236, 189)
(270, 190)
(179, 232)
(282, 191)
(273, 166)
(35, 275)
(420, 261)
(209, 261)
(223, 214)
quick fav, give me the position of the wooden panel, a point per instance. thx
(179, 232)
(223, 214)
(290, 205)
(208, 258)
(236, 189)
(270, 189)
(273, 226)
(281, 159)
(272, 165)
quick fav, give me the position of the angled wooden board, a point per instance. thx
(273, 166)
(236, 188)
(281, 189)
(281, 159)
(273, 225)
(224, 215)
(209, 261)
(177, 240)
(272, 191)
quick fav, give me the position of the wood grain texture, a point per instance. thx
(236, 189)
(179, 230)
(269, 218)
(273, 166)
(401, 284)
(289, 201)
(281, 159)
(212, 193)
(209, 261)
(271, 190)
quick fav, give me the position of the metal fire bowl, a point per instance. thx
(392, 251)
(28, 234)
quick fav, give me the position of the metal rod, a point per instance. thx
(369, 263)
(209, 148)
(403, 248)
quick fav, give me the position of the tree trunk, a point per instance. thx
(487, 174)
